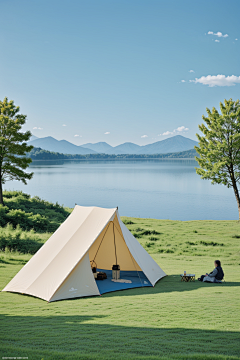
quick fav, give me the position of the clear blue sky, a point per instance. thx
(117, 66)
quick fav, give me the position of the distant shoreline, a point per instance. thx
(117, 159)
(38, 154)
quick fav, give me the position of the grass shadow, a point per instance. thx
(80, 337)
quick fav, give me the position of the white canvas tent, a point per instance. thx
(61, 268)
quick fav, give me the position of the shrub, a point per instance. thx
(139, 229)
(18, 217)
(39, 223)
(169, 251)
(137, 235)
(3, 215)
(210, 243)
(150, 232)
(190, 243)
(18, 240)
(25, 222)
(31, 213)
(149, 244)
(128, 222)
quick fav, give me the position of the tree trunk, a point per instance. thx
(236, 192)
(1, 193)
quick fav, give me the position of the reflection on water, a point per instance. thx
(162, 189)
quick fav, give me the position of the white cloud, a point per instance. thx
(183, 81)
(191, 71)
(217, 41)
(107, 133)
(218, 80)
(144, 136)
(37, 128)
(77, 135)
(180, 129)
(236, 39)
(64, 125)
(167, 133)
(218, 34)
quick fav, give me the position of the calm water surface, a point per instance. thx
(160, 189)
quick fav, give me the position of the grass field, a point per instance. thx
(173, 320)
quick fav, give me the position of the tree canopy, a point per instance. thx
(13, 145)
(219, 146)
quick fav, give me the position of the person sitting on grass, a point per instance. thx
(215, 276)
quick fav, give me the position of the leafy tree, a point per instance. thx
(13, 146)
(219, 147)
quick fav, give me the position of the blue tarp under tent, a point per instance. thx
(128, 280)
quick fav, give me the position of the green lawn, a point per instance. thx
(173, 320)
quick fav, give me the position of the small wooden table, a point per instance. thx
(187, 277)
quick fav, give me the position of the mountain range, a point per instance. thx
(60, 146)
(174, 144)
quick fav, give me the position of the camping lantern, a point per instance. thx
(116, 272)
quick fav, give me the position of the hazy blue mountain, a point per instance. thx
(33, 137)
(100, 147)
(126, 148)
(104, 148)
(171, 145)
(60, 146)
(174, 144)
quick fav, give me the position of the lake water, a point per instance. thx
(160, 189)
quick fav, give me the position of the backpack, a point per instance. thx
(220, 273)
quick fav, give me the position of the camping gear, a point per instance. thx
(93, 266)
(116, 272)
(101, 275)
(187, 277)
(61, 268)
